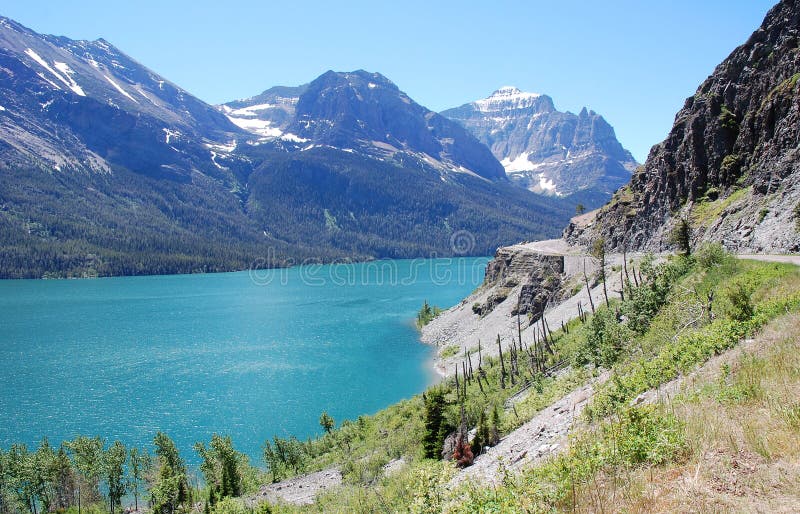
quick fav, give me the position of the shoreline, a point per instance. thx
(309, 263)
(461, 327)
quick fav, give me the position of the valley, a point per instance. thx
(491, 307)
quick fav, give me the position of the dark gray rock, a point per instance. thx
(730, 165)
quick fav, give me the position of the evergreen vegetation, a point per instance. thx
(426, 314)
(125, 223)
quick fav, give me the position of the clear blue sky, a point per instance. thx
(634, 61)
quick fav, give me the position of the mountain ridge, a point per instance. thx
(545, 150)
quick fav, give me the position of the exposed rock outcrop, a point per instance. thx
(537, 275)
(542, 278)
(731, 163)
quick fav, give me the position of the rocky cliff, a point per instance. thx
(730, 166)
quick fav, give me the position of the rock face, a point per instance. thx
(547, 151)
(538, 275)
(731, 163)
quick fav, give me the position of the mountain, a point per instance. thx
(356, 164)
(266, 114)
(365, 113)
(730, 166)
(547, 151)
(84, 105)
(106, 168)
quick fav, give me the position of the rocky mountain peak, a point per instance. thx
(366, 113)
(547, 151)
(510, 98)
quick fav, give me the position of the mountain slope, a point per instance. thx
(730, 165)
(365, 206)
(107, 169)
(360, 166)
(547, 151)
(365, 113)
(85, 105)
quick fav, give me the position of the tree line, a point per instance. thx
(85, 473)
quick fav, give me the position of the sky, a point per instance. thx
(633, 61)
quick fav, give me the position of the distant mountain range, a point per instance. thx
(548, 151)
(107, 168)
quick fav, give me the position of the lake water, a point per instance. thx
(250, 354)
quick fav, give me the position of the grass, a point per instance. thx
(449, 351)
(741, 431)
(704, 213)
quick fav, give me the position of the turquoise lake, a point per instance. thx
(250, 354)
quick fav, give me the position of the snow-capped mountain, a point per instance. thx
(545, 150)
(266, 114)
(367, 114)
(107, 168)
(85, 105)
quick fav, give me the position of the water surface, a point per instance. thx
(246, 354)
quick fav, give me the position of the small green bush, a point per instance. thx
(727, 119)
(449, 351)
(711, 255)
(739, 294)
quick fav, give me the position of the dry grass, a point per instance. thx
(742, 416)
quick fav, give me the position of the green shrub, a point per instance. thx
(731, 164)
(739, 294)
(711, 255)
(712, 193)
(449, 351)
(607, 339)
(796, 215)
(426, 314)
(641, 436)
(681, 236)
(727, 119)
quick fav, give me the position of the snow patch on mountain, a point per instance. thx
(256, 126)
(293, 138)
(67, 71)
(214, 160)
(169, 134)
(507, 97)
(222, 148)
(68, 81)
(518, 163)
(547, 185)
(249, 111)
(41, 76)
(119, 88)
